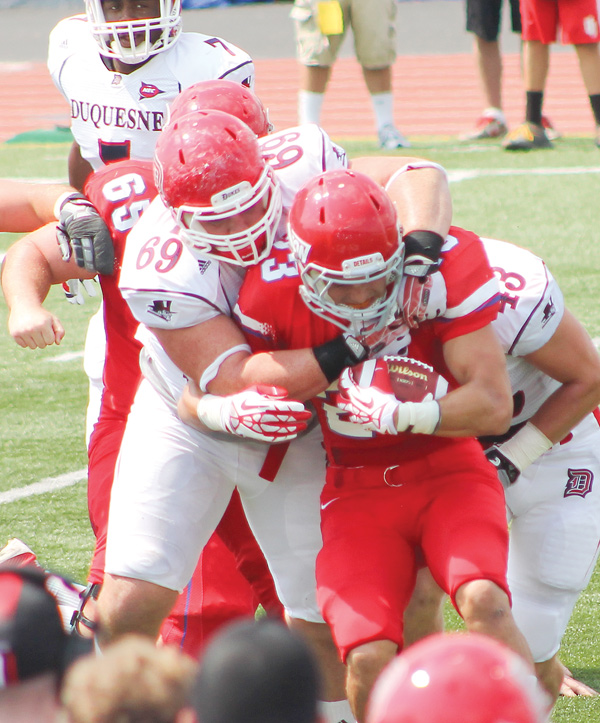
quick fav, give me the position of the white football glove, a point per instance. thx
(381, 412)
(422, 298)
(394, 339)
(82, 231)
(74, 290)
(261, 412)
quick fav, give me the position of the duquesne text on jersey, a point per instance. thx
(117, 117)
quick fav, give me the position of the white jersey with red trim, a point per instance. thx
(531, 309)
(116, 116)
(168, 287)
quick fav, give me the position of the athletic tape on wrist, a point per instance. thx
(208, 411)
(414, 167)
(423, 243)
(419, 417)
(527, 445)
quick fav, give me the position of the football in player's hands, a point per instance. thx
(409, 380)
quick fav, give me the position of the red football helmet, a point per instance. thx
(457, 678)
(224, 95)
(210, 172)
(343, 229)
(134, 41)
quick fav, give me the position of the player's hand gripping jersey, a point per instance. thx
(274, 316)
(116, 116)
(168, 287)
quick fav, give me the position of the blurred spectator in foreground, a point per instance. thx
(457, 678)
(133, 681)
(320, 28)
(35, 649)
(257, 672)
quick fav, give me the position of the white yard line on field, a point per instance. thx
(467, 174)
(50, 484)
(66, 357)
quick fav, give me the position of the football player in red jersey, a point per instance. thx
(217, 592)
(403, 480)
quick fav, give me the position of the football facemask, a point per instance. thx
(246, 246)
(134, 41)
(317, 281)
(209, 169)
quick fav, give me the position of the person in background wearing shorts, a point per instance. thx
(578, 21)
(483, 20)
(320, 29)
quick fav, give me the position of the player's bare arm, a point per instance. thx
(482, 405)
(569, 357)
(31, 266)
(422, 196)
(196, 348)
(25, 207)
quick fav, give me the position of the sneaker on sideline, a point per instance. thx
(390, 138)
(551, 132)
(526, 137)
(486, 127)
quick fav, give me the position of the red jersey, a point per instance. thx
(120, 191)
(273, 316)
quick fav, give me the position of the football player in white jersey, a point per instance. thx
(214, 183)
(120, 65)
(549, 461)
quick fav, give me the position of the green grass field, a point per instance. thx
(546, 201)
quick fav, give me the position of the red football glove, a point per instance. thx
(260, 412)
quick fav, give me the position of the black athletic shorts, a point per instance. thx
(483, 17)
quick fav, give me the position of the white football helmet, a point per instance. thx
(134, 41)
(343, 229)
